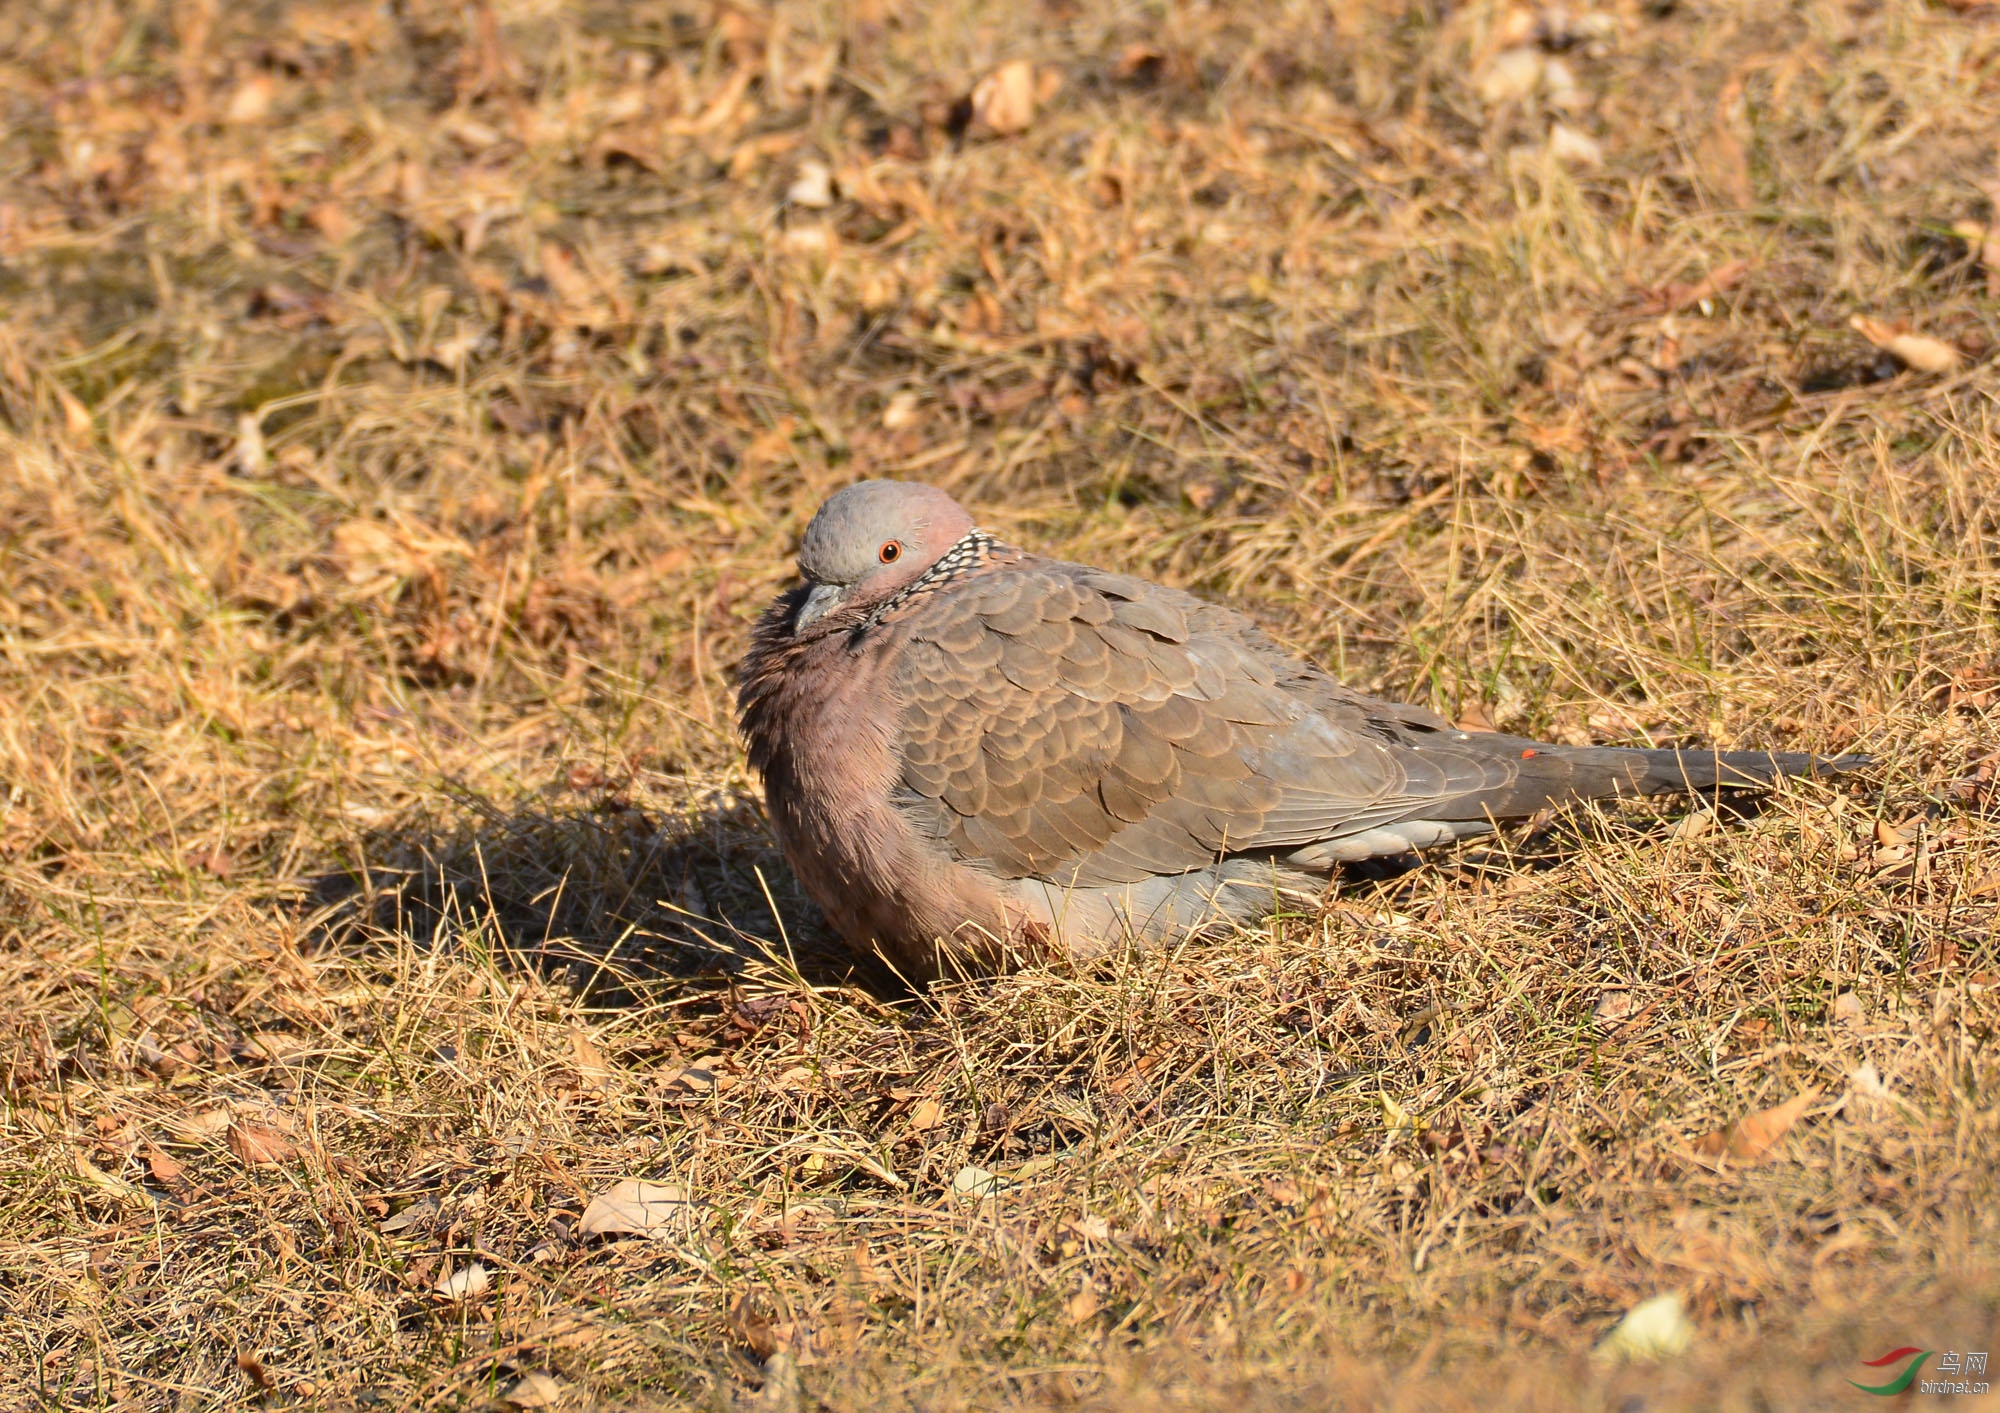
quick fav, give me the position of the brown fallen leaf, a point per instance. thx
(696, 1077)
(271, 1047)
(146, 1051)
(1006, 99)
(589, 1061)
(1614, 1004)
(927, 1115)
(163, 1168)
(1510, 76)
(1751, 1031)
(1082, 1306)
(1089, 1228)
(1147, 1063)
(251, 102)
(260, 1145)
(1919, 351)
(219, 863)
(1205, 495)
(865, 1271)
(583, 302)
(1574, 147)
(630, 1206)
(76, 417)
(209, 1123)
(753, 1328)
(1753, 1135)
(1693, 826)
(1970, 698)
(115, 1186)
(377, 554)
(536, 1389)
(1672, 298)
(330, 221)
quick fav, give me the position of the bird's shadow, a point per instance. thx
(614, 900)
(604, 896)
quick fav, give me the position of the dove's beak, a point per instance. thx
(822, 600)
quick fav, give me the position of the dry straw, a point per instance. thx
(405, 408)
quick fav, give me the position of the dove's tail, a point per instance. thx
(1672, 771)
(1537, 774)
(1511, 777)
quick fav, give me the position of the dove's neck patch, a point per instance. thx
(973, 550)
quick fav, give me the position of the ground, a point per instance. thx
(406, 407)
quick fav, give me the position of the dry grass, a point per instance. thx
(405, 407)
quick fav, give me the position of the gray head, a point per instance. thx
(870, 541)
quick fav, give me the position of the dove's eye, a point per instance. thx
(891, 552)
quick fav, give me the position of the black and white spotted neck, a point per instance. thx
(975, 549)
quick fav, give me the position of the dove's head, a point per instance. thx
(868, 543)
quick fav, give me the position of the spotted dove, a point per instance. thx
(974, 756)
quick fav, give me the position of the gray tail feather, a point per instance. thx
(1672, 771)
(1554, 775)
